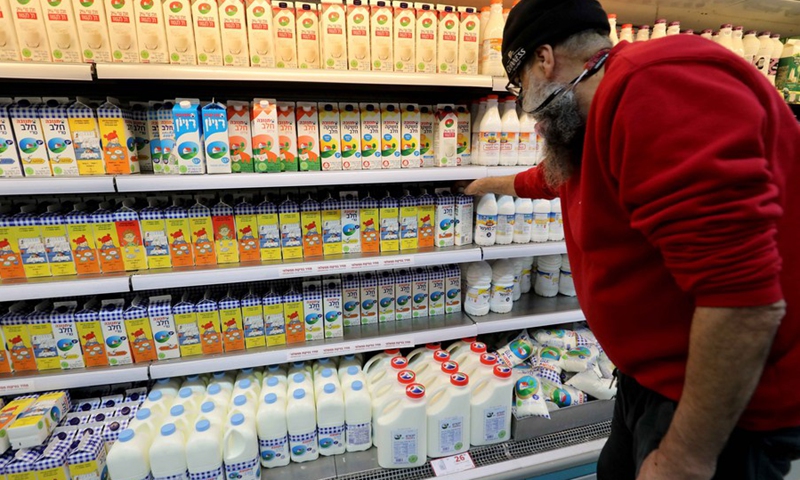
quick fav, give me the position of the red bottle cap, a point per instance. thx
(488, 359)
(478, 347)
(399, 363)
(459, 379)
(502, 371)
(415, 390)
(406, 377)
(449, 367)
(441, 356)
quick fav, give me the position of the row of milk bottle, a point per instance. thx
(504, 220)
(503, 138)
(495, 287)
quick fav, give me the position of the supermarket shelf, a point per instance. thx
(502, 171)
(55, 185)
(237, 273)
(46, 71)
(118, 71)
(523, 250)
(27, 382)
(363, 338)
(50, 287)
(531, 311)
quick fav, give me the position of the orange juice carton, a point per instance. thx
(247, 226)
(403, 294)
(58, 137)
(283, 19)
(187, 328)
(233, 30)
(426, 153)
(9, 414)
(419, 292)
(31, 27)
(253, 321)
(9, 52)
(452, 289)
(291, 230)
(350, 128)
(312, 310)
(107, 240)
(437, 277)
(307, 35)
(151, 31)
(390, 135)
(90, 335)
(179, 235)
(386, 296)
(463, 139)
(188, 149)
(405, 25)
(312, 228)
(469, 28)
(425, 39)
(154, 234)
(205, 17)
(208, 321)
(119, 143)
(390, 224)
(26, 236)
(358, 35)
(95, 43)
(370, 136)
(260, 33)
(274, 323)
(230, 313)
(445, 131)
(351, 300)
(126, 221)
(350, 222)
(333, 35)
(426, 218)
(381, 34)
(141, 134)
(269, 231)
(293, 316)
(9, 158)
(239, 136)
(27, 126)
(215, 133)
(330, 136)
(62, 32)
(368, 291)
(287, 136)
(137, 324)
(409, 222)
(86, 138)
(162, 324)
(202, 230)
(120, 17)
(43, 342)
(114, 331)
(332, 306)
(180, 32)
(370, 225)
(56, 242)
(409, 136)
(447, 39)
(225, 241)
(33, 426)
(267, 143)
(308, 136)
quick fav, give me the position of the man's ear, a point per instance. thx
(544, 62)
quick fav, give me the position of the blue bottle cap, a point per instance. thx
(329, 388)
(273, 381)
(239, 400)
(143, 414)
(185, 392)
(299, 394)
(214, 389)
(237, 419)
(207, 407)
(298, 378)
(270, 398)
(126, 435)
(176, 410)
(168, 429)
(357, 385)
(202, 425)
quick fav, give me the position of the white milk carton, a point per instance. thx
(436, 290)
(351, 298)
(240, 136)
(287, 136)
(162, 323)
(463, 139)
(9, 51)
(233, 30)
(205, 18)
(370, 136)
(358, 35)
(390, 135)
(332, 306)
(188, 136)
(427, 26)
(381, 23)
(120, 17)
(283, 19)
(58, 137)
(409, 135)
(260, 33)
(445, 131)
(215, 134)
(180, 32)
(447, 39)
(151, 31)
(426, 121)
(61, 31)
(351, 222)
(403, 294)
(266, 149)
(334, 35)
(312, 309)
(95, 44)
(419, 292)
(452, 288)
(139, 128)
(330, 136)
(29, 23)
(166, 136)
(386, 296)
(114, 332)
(350, 123)
(30, 139)
(307, 35)
(10, 165)
(468, 31)
(308, 136)
(65, 334)
(405, 26)
(369, 297)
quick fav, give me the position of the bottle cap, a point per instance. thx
(459, 379)
(415, 390)
(202, 425)
(392, 351)
(237, 419)
(176, 410)
(433, 346)
(441, 356)
(299, 394)
(168, 429)
(502, 371)
(488, 359)
(357, 385)
(612, 15)
(270, 398)
(406, 377)
(352, 370)
(218, 375)
(207, 407)
(185, 392)
(298, 378)
(239, 400)
(399, 363)
(245, 384)
(143, 414)
(329, 388)
(478, 347)
(155, 396)
(273, 381)
(126, 435)
(449, 367)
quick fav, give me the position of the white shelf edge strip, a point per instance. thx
(67, 287)
(523, 250)
(499, 84)
(59, 380)
(501, 171)
(56, 185)
(529, 321)
(46, 71)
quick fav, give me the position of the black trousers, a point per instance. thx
(642, 417)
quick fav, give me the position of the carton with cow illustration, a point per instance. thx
(350, 221)
(210, 330)
(351, 300)
(293, 316)
(115, 333)
(56, 243)
(27, 127)
(274, 322)
(312, 225)
(331, 216)
(18, 338)
(368, 284)
(58, 137)
(119, 142)
(313, 310)
(9, 157)
(162, 324)
(225, 242)
(291, 230)
(137, 324)
(129, 229)
(107, 240)
(90, 335)
(85, 138)
(403, 294)
(253, 321)
(409, 224)
(176, 220)
(10, 257)
(65, 333)
(452, 289)
(445, 218)
(23, 244)
(82, 240)
(43, 342)
(269, 231)
(188, 151)
(419, 292)
(215, 138)
(186, 326)
(230, 314)
(437, 277)
(239, 136)
(247, 228)
(202, 231)
(386, 296)
(332, 306)
(308, 137)
(370, 225)
(267, 145)
(330, 136)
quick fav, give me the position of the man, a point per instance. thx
(678, 168)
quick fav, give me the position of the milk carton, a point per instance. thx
(390, 224)
(293, 316)
(137, 324)
(390, 135)
(151, 31)
(368, 290)
(29, 23)
(233, 30)
(332, 306)
(253, 321)
(386, 296)
(162, 324)
(426, 120)
(331, 216)
(463, 219)
(330, 136)
(127, 224)
(312, 226)
(452, 288)
(9, 51)
(403, 294)
(351, 222)
(138, 124)
(426, 213)
(307, 35)
(65, 334)
(116, 335)
(119, 144)
(239, 136)
(87, 459)
(180, 32)
(166, 136)
(179, 236)
(188, 137)
(90, 332)
(58, 138)
(183, 311)
(25, 120)
(9, 158)
(436, 290)
(18, 338)
(61, 31)
(120, 17)
(447, 39)
(370, 225)
(351, 298)
(291, 232)
(215, 133)
(247, 226)
(463, 146)
(405, 26)
(350, 124)
(34, 425)
(231, 323)
(358, 35)
(370, 136)
(266, 148)
(260, 33)
(95, 44)
(469, 29)
(410, 135)
(205, 18)
(333, 35)
(42, 341)
(408, 222)
(210, 328)
(85, 138)
(445, 218)
(225, 242)
(426, 38)
(9, 414)
(269, 232)
(313, 311)
(419, 292)
(287, 138)
(274, 326)
(445, 145)
(283, 19)
(381, 23)
(308, 136)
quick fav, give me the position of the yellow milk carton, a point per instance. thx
(65, 332)
(90, 334)
(330, 136)
(260, 33)
(350, 128)
(26, 235)
(247, 228)
(107, 238)
(390, 224)
(179, 235)
(58, 138)
(230, 314)
(370, 136)
(154, 233)
(426, 218)
(9, 413)
(26, 122)
(208, 320)
(370, 225)
(56, 242)
(409, 222)
(43, 342)
(312, 225)
(188, 330)
(129, 231)
(137, 324)
(81, 237)
(119, 143)
(85, 138)
(225, 242)
(162, 323)
(253, 321)
(269, 231)
(202, 230)
(331, 217)
(33, 426)
(274, 324)
(293, 316)
(426, 121)
(205, 15)
(390, 135)
(114, 331)
(291, 231)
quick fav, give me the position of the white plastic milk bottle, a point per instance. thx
(223, 379)
(485, 368)
(195, 383)
(449, 417)
(273, 436)
(168, 454)
(211, 412)
(248, 388)
(301, 421)
(358, 417)
(469, 358)
(459, 345)
(220, 397)
(388, 393)
(204, 451)
(541, 221)
(129, 460)
(505, 220)
(479, 285)
(352, 374)
(486, 221)
(181, 418)
(331, 420)
(167, 386)
(501, 299)
(528, 144)
(509, 132)
(401, 430)
(442, 377)
(490, 408)
(491, 125)
(523, 220)
(189, 399)
(145, 423)
(158, 403)
(348, 361)
(244, 405)
(430, 370)
(324, 377)
(240, 451)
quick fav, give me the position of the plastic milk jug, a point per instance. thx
(490, 408)
(422, 355)
(388, 375)
(379, 362)
(491, 56)
(274, 384)
(331, 420)
(347, 361)
(168, 454)
(509, 133)
(485, 368)
(358, 417)
(505, 220)
(243, 404)
(388, 393)
(204, 451)
(449, 418)
(182, 419)
(523, 220)
(240, 449)
(429, 371)
(486, 221)
(501, 299)
(490, 129)
(301, 420)
(273, 437)
(401, 430)
(541, 221)
(195, 383)
(469, 356)
(130, 459)
(457, 348)
(479, 284)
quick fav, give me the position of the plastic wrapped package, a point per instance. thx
(529, 400)
(517, 350)
(564, 339)
(591, 382)
(606, 367)
(580, 359)
(563, 395)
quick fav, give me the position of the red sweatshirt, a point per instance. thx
(688, 195)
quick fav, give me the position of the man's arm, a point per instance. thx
(497, 185)
(528, 184)
(728, 348)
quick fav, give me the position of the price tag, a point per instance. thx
(10, 387)
(327, 268)
(454, 464)
(369, 346)
(397, 262)
(365, 265)
(305, 354)
(297, 271)
(398, 342)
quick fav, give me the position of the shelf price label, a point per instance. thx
(10, 387)
(297, 271)
(452, 464)
(398, 262)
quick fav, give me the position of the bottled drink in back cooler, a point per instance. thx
(509, 133)
(479, 283)
(501, 299)
(555, 231)
(476, 132)
(491, 56)
(491, 125)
